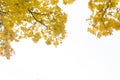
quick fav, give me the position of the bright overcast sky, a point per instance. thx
(81, 56)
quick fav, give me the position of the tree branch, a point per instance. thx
(35, 18)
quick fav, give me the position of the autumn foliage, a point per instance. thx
(34, 19)
(105, 17)
(37, 19)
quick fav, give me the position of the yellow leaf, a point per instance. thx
(54, 2)
(68, 1)
(92, 31)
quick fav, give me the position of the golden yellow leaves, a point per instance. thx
(100, 0)
(48, 41)
(93, 31)
(36, 37)
(45, 18)
(114, 2)
(5, 49)
(54, 1)
(104, 18)
(68, 1)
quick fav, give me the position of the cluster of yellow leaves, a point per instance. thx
(34, 19)
(68, 1)
(104, 18)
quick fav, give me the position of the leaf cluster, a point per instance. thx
(34, 19)
(105, 17)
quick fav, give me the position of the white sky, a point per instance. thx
(81, 56)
